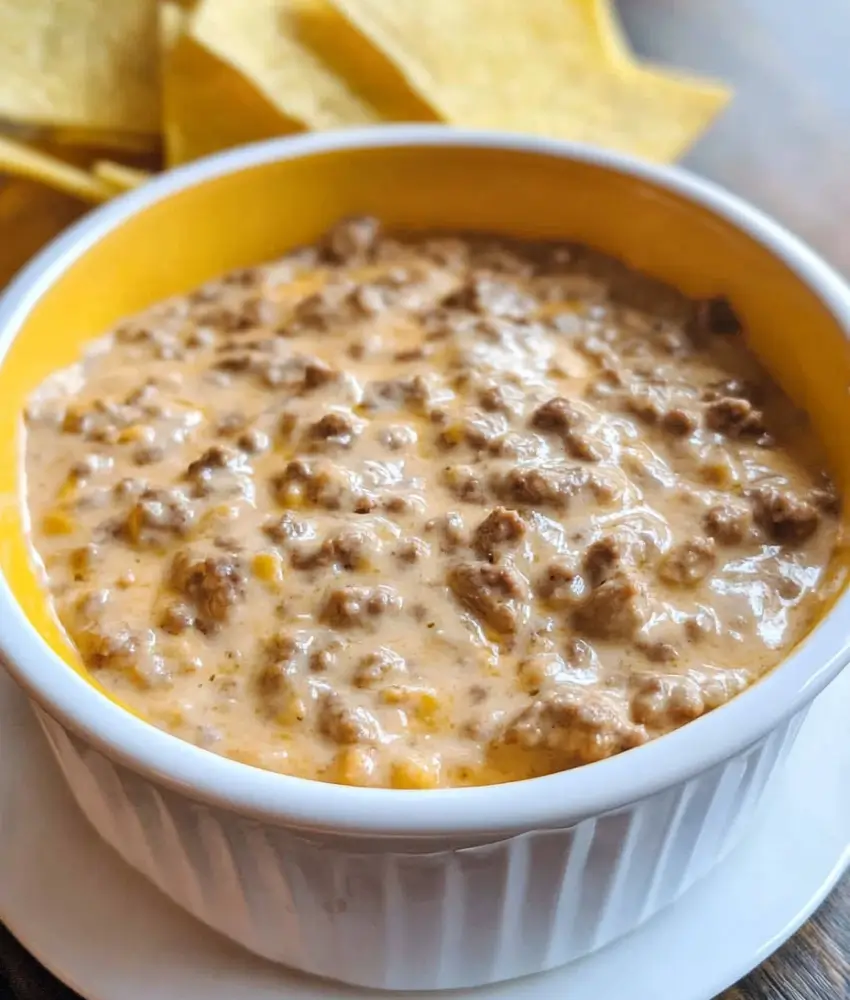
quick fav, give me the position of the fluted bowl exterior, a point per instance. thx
(402, 914)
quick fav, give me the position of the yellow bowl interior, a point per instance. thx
(262, 211)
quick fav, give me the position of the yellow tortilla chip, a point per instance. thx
(534, 66)
(30, 216)
(609, 32)
(605, 23)
(207, 104)
(126, 142)
(20, 160)
(119, 176)
(339, 45)
(86, 63)
(265, 40)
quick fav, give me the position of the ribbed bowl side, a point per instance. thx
(394, 914)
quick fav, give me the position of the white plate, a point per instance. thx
(100, 928)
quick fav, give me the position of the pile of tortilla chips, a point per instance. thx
(102, 88)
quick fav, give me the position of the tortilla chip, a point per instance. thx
(119, 176)
(609, 31)
(606, 25)
(47, 141)
(338, 44)
(207, 104)
(21, 160)
(30, 215)
(534, 66)
(263, 39)
(82, 63)
(136, 143)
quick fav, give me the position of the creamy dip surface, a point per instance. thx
(420, 511)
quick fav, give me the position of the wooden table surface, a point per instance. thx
(784, 144)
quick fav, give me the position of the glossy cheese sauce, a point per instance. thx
(427, 511)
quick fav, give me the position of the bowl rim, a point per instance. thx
(559, 799)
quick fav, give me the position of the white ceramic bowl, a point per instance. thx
(423, 889)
